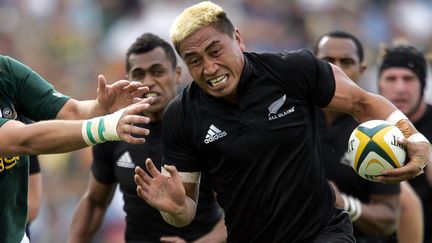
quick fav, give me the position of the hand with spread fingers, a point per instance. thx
(133, 115)
(165, 193)
(118, 95)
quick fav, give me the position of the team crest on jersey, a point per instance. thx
(276, 106)
(8, 113)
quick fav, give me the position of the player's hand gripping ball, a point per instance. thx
(373, 147)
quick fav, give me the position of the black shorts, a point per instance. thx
(338, 230)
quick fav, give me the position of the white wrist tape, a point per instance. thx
(102, 128)
(396, 116)
(418, 137)
(187, 177)
(352, 206)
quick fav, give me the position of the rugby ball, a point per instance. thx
(373, 147)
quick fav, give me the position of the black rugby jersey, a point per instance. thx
(262, 153)
(114, 162)
(420, 183)
(339, 170)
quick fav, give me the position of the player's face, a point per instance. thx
(215, 61)
(155, 70)
(341, 52)
(402, 87)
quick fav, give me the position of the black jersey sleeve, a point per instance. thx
(177, 136)
(312, 77)
(34, 164)
(103, 163)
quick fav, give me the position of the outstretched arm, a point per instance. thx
(175, 196)
(58, 136)
(90, 211)
(110, 98)
(364, 106)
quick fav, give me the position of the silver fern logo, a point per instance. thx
(275, 107)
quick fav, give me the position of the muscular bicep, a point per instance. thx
(12, 137)
(351, 99)
(68, 111)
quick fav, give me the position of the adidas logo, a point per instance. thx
(125, 161)
(214, 134)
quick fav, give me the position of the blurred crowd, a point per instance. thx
(70, 42)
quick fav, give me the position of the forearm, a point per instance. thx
(217, 235)
(74, 109)
(375, 107)
(85, 222)
(362, 105)
(183, 216)
(40, 138)
(378, 219)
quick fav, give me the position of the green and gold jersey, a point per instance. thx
(22, 93)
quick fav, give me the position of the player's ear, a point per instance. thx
(362, 68)
(178, 72)
(239, 39)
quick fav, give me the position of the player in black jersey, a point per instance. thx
(402, 80)
(377, 214)
(152, 61)
(248, 123)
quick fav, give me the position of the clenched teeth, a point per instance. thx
(150, 94)
(218, 80)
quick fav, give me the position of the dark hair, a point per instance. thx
(405, 56)
(224, 24)
(344, 35)
(148, 42)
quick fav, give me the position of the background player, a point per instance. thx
(380, 204)
(402, 80)
(151, 61)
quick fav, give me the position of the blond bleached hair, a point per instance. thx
(197, 17)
